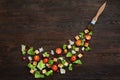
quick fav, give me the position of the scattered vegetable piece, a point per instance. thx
(54, 67)
(50, 62)
(69, 54)
(45, 60)
(70, 67)
(80, 55)
(77, 37)
(62, 71)
(73, 58)
(78, 42)
(71, 42)
(64, 46)
(88, 37)
(31, 66)
(45, 54)
(50, 72)
(58, 51)
(38, 75)
(41, 49)
(23, 48)
(41, 65)
(36, 57)
(77, 62)
(36, 52)
(69, 46)
(86, 31)
(88, 49)
(31, 51)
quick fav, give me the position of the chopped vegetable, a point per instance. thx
(36, 52)
(88, 37)
(73, 52)
(88, 49)
(54, 67)
(69, 54)
(32, 71)
(41, 65)
(62, 71)
(50, 62)
(91, 33)
(58, 51)
(86, 31)
(31, 51)
(50, 72)
(78, 62)
(29, 58)
(70, 67)
(31, 66)
(38, 75)
(41, 49)
(71, 42)
(73, 58)
(36, 57)
(46, 54)
(52, 52)
(73, 47)
(64, 46)
(77, 37)
(80, 55)
(78, 42)
(23, 47)
(69, 46)
(45, 60)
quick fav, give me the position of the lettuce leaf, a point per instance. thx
(40, 65)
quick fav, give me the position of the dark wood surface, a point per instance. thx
(50, 23)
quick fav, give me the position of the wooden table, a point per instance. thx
(50, 23)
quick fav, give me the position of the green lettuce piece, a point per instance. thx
(63, 61)
(38, 75)
(81, 33)
(46, 54)
(64, 46)
(90, 33)
(31, 51)
(73, 47)
(40, 65)
(82, 43)
(69, 54)
(23, 47)
(50, 62)
(77, 62)
(31, 66)
(70, 67)
(88, 49)
(50, 72)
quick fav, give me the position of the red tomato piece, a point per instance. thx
(36, 58)
(58, 51)
(54, 67)
(73, 58)
(45, 60)
(88, 37)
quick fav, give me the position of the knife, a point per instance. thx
(101, 9)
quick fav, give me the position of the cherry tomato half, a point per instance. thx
(54, 67)
(58, 51)
(88, 37)
(45, 60)
(78, 42)
(36, 58)
(73, 58)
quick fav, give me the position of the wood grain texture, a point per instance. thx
(50, 23)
